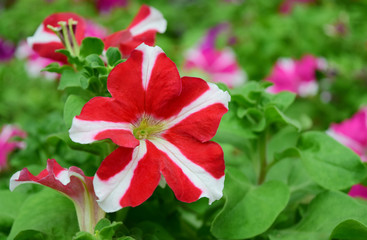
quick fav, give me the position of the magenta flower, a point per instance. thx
(72, 183)
(143, 29)
(9, 144)
(287, 5)
(352, 133)
(7, 50)
(358, 191)
(219, 65)
(105, 6)
(297, 76)
(157, 119)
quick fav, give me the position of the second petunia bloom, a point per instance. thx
(162, 124)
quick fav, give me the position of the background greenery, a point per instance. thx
(302, 195)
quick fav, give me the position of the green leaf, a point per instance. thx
(69, 78)
(91, 45)
(248, 211)
(93, 60)
(48, 212)
(254, 119)
(274, 115)
(96, 148)
(282, 100)
(349, 230)
(84, 236)
(107, 232)
(10, 202)
(55, 67)
(113, 56)
(32, 234)
(327, 211)
(329, 163)
(72, 107)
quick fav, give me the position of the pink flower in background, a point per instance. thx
(287, 5)
(7, 50)
(297, 76)
(72, 183)
(35, 63)
(219, 65)
(105, 6)
(358, 191)
(157, 119)
(353, 134)
(9, 144)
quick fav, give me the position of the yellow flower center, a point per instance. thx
(148, 128)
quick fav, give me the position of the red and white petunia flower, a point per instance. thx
(142, 29)
(45, 42)
(297, 76)
(219, 65)
(9, 144)
(72, 183)
(162, 124)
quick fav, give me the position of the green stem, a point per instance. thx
(72, 34)
(66, 37)
(262, 155)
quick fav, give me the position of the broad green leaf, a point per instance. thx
(232, 130)
(329, 163)
(84, 236)
(113, 56)
(282, 100)
(349, 230)
(254, 119)
(284, 139)
(324, 214)
(72, 107)
(291, 172)
(248, 211)
(55, 67)
(48, 212)
(107, 232)
(93, 60)
(155, 230)
(91, 45)
(10, 202)
(274, 115)
(32, 234)
(69, 78)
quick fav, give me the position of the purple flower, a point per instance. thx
(105, 6)
(8, 144)
(219, 65)
(7, 50)
(297, 76)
